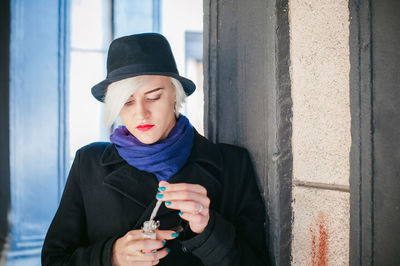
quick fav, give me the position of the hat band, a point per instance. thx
(141, 68)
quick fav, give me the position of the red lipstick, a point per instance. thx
(144, 127)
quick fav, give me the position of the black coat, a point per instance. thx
(105, 197)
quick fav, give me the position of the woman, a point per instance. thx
(212, 214)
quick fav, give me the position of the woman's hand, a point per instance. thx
(127, 250)
(190, 199)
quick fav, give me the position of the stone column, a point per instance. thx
(319, 48)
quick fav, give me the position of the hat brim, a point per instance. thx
(99, 90)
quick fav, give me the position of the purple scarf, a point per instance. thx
(163, 158)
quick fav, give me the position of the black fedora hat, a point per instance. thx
(140, 54)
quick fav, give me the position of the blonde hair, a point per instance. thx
(118, 92)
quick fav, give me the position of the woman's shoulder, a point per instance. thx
(93, 151)
(94, 147)
(101, 153)
(233, 152)
(226, 147)
(220, 149)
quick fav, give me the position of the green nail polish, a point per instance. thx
(167, 203)
(180, 213)
(168, 250)
(161, 189)
(160, 196)
(175, 234)
(163, 243)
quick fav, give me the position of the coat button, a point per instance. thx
(185, 250)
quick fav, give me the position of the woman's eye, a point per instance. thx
(154, 98)
(129, 102)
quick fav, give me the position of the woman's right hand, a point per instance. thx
(127, 250)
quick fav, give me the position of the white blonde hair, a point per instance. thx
(118, 92)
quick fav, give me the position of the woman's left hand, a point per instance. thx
(190, 199)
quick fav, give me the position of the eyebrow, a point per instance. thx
(147, 92)
(153, 90)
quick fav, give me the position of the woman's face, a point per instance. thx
(149, 114)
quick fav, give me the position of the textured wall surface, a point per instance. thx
(248, 100)
(320, 228)
(320, 90)
(319, 39)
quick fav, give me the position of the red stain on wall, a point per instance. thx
(319, 249)
(313, 247)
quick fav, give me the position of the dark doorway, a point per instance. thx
(4, 121)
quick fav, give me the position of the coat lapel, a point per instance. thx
(138, 186)
(132, 183)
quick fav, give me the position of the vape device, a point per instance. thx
(149, 228)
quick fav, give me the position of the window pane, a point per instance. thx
(90, 36)
(180, 19)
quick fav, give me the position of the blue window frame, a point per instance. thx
(38, 48)
(39, 161)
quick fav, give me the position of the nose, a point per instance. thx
(142, 111)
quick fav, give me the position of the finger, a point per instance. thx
(137, 246)
(162, 253)
(151, 257)
(140, 257)
(161, 235)
(166, 234)
(138, 261)
(145, 244)
(134, 235)
(195, 218)
(187, 206)
(182, 186)
(184, 195)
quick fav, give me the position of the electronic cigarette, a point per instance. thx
(149, 228)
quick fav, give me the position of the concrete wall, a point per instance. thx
(341, 134)
(248, 99)
(320, 65)
(375, 153)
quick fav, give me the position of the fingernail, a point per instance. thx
(168, 250)
(167, 203)
(175, 234)
(160, 196)
(180, 213)
(163, 243)
(161, 189)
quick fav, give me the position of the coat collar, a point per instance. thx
(203, 167)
